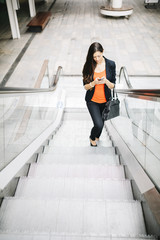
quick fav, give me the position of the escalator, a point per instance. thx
(72, 191)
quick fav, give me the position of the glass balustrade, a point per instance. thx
(139, 124)
(23, 117)
(139, 127)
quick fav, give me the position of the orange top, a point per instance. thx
(99, 94)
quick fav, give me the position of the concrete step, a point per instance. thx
(55, 158)
(74, 188)
(72, 216)
(76, 171)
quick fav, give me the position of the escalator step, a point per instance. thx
(52, 236)
(76, 133)
(72, 216)
(77, 141)
(81, 151)
(74, 188)
(76, 171)
(55, 158)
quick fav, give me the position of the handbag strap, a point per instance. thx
(114, 93)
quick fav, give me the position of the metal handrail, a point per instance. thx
(124, 71)
(15, 90)
(147, 94)
(140, 92)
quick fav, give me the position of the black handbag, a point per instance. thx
(111, 109)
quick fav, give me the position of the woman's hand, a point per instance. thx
(97, 81)
(101, 80)
(107, 82)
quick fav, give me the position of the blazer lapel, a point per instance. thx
(108, 70)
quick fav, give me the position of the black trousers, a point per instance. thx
(95, 110)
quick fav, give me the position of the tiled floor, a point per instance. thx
(74, 25)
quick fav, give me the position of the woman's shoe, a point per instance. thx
(91, 143)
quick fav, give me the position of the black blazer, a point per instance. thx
(110, 75)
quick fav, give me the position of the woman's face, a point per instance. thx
(98, 57)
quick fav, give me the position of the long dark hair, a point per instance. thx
(90, 64)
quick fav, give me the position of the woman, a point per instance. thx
(98, 78)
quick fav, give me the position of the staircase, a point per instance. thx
(74, 192)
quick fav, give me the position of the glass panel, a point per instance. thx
(1, 133)
(145, 82)
(139, 126)
(23, 119)
(153, 141)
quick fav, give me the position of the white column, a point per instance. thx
(12, 6)
(32, 8)
(116, 3)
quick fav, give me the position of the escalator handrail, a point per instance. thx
(124, 71)
(15, 90)
(147, 94)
